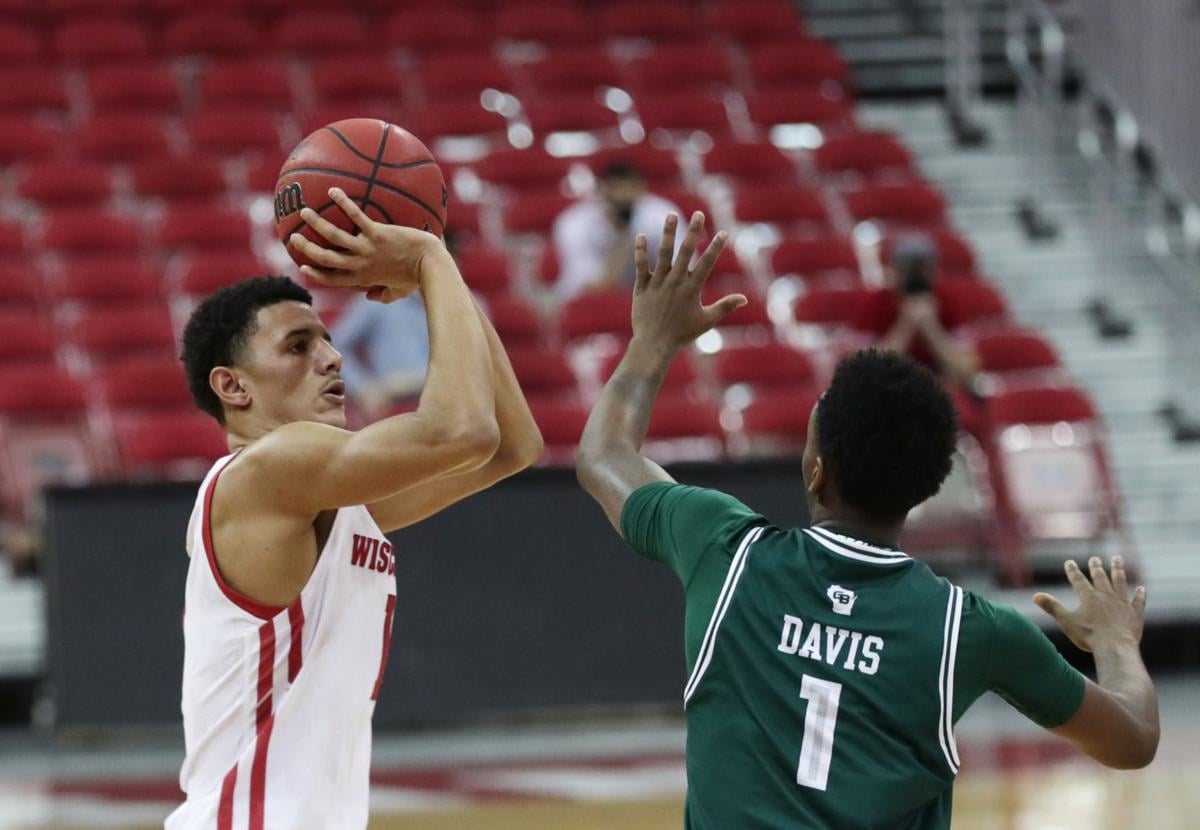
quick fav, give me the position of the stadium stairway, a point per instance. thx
(1049, 284)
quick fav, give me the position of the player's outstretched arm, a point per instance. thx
(667, 315)
(520, 445)
(1117, 723)
(310, 467)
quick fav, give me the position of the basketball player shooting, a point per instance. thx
(827, 667)
(291, 587)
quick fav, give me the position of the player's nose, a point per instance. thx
(331, 359)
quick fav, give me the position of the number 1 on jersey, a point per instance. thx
(820, 718)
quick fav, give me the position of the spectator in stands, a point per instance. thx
(385, 352)
(593, 238)
(909, 315)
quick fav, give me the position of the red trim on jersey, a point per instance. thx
(266, 673)
(258, 609)
(225, 810)
(295, 653)
(258, 775)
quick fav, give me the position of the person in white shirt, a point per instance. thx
(593, 238)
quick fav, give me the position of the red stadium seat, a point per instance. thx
(661, 21)
(26, 139)
(430, 29)
(1014, 351)
(968, 303)
(142, 383)
(30, 90)
(532, 169)
(212, 33)
(776, 421)
(788, 63)
(235, 131)
(1040, 406)
(534, 212)
(810, 258)
(458, 118)
(866, 153)
(601, 312)
(102, 40)
(749, 21)
(203, 273)
(954, 254)
(688, 203)
(384, 110)
(20, 288)
(914, 204)
(749, 160)
(149, 87)
(205, 226)
(12, 240)
(75, 183)
(485, 270)
(576, 112)
(680, 374)
(516, 321)
(180, 178)
(159, 441)
(543, 374)
(542, 22)
(108, 278)
(463, 217)
(683, 111)
(753, 314)
(781, 203)
(766, 366)
(83, 230)
(683, 68)
(800, 106)
(569, 69)
(223, 84)
(261, 175)
(20, 44)
(321, 33)
(123, 137)
(561, 424)
(463, 74)
(355, 77)
(120, 331)
(658, 165)
(676, 416)
(831, 307)
(75, 8)
(28, 339)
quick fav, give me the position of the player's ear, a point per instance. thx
(816, 480)
(229, 387)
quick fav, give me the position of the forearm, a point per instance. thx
(520, 438)
(954, 359)
(459, 388)
(898, 337)
(1121, 672)
(621, 416)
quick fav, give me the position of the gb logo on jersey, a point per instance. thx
(843, 599)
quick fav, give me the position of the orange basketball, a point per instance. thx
(385, 169)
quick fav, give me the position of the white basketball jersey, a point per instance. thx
(277, 702)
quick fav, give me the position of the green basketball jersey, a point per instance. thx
(826, 672)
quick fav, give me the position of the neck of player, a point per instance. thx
(856, 524)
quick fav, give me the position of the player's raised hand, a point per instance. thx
(383, 260)
(666, 298)
(1105, 612)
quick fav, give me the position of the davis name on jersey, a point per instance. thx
(827, 642)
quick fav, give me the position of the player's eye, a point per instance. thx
(300, 347)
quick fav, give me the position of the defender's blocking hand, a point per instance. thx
(1105, 612)
(666, 300)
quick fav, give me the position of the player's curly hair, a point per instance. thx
(886, 431)
(220, 327)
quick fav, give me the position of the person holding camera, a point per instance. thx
(908, 316)
(593, 238)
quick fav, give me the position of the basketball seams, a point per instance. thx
(383, 140)
(361, 178)
(390, 165)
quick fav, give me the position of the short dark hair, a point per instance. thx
(219, 328)
(621, 169)
(886, 430)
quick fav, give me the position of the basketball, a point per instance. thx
(385, 169)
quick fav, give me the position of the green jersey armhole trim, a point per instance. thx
(950, 629)
(736, 567)
(853, 549)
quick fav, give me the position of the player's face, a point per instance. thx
(292, 371)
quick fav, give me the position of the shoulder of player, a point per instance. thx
(262, 472)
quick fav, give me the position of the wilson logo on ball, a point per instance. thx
(289, 200)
